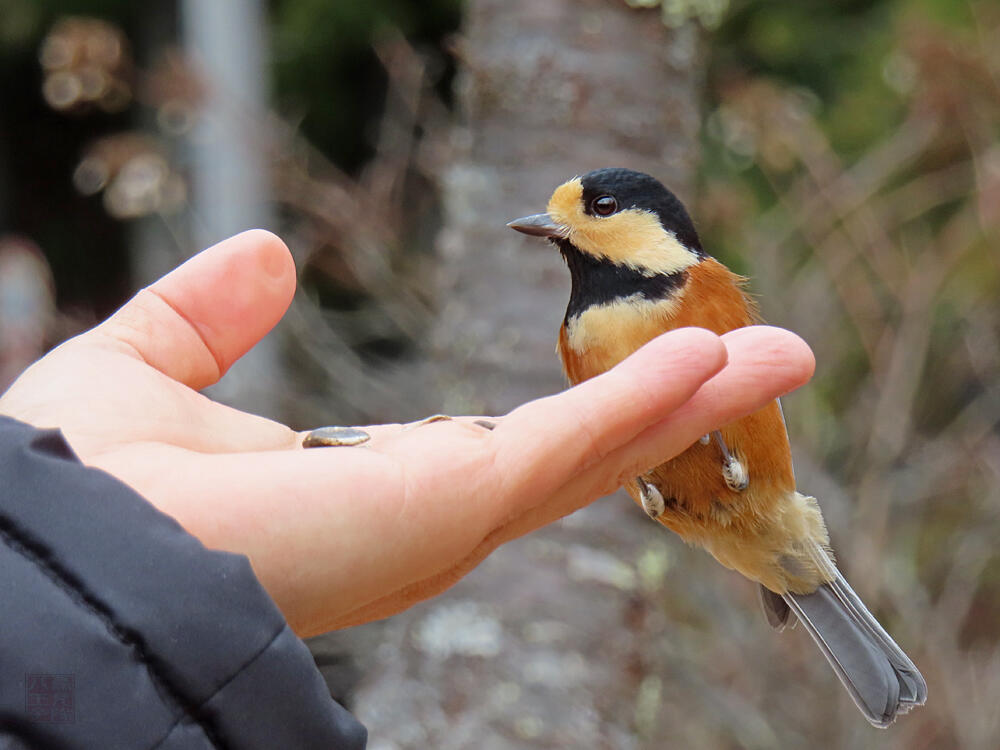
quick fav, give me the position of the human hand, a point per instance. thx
(344, 535)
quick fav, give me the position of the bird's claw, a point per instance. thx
(735, 475)
(651, 499)
(733, 471)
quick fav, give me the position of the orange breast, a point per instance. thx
(699, 502)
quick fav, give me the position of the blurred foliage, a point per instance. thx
(38, 150)
(22, 22)
(709, 13)
(328, 83)
(327, 75)
(852, 169)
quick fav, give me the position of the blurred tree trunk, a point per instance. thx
(542, 646)
(548, 90)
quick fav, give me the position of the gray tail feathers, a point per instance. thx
(880, 678)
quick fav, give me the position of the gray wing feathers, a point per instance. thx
(879, 677)
(775, 609)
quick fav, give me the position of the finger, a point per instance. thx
(197, 320)
(573, 430)
(764, 363)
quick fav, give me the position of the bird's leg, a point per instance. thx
(427, 420)
(733, 471)
(327, 437)
(651, 499)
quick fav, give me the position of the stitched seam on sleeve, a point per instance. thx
(236, 673)
(38, 554)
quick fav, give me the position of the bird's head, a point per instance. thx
(619, 216)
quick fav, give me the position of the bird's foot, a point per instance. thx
(735, 474)
(733, 471)
(651, 499)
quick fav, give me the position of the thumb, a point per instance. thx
(192, 324)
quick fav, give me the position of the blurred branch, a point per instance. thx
(891, 263)
(353, 238)
(365, 219)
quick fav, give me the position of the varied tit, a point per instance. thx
(638, 269)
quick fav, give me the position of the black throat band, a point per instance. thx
(599, 281)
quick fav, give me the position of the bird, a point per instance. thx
(638, 269)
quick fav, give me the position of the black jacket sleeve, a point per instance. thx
(118, 629)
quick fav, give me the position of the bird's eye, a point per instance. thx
(604, 205)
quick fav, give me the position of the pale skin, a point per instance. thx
(343, 535)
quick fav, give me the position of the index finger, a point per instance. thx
(764, 363)
(575, 429)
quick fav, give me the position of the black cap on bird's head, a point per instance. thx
(606, 191)
(620, 215)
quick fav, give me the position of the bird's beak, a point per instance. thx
(539, 225)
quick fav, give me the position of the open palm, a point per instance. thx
(344, 535)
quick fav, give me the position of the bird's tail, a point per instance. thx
(880, 678)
